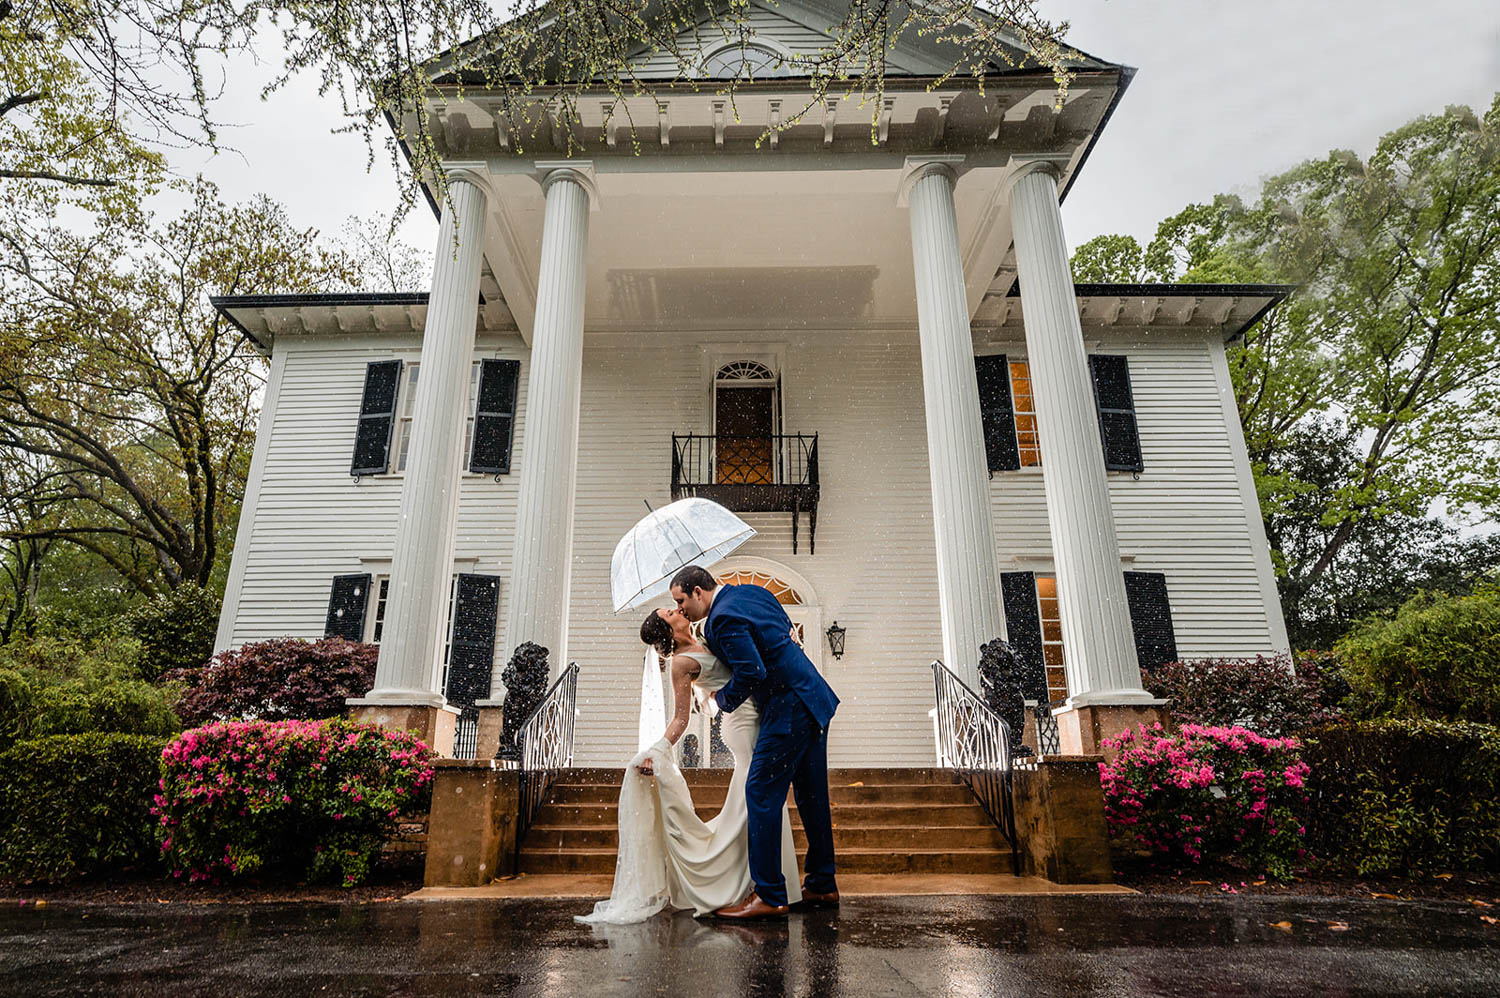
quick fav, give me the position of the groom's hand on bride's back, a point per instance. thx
(645, 768)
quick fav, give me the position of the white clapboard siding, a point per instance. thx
(874, 570)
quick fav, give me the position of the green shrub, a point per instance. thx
(54, 660)
(176, 631)
(35, 706)
(289, 799)
(78, 805)
(1438, 657)
(1405, 796)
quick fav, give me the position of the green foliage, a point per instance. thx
(1405, 797)
(1109, 259)
(291, 799)
(77, 806)
(176, 630)
(1438, 657)
(51, 687)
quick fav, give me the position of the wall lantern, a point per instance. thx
(836, 639)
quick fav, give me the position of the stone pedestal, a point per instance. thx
(434, 725)
(1082, 729)
(471, 831)
(491, 722)
(1060, 821)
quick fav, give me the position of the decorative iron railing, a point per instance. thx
(546, 741)
(723, 459)
(974, 742)
(751, 474)
(1048, 741)
(466, 733)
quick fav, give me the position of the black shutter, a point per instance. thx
(377, 414)
(1151, 618)
(1023, 629)
(495, 417)
(1116, 407)
(346, 607)
(471, 656)
(997, 413)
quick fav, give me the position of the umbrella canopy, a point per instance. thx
(687, 532)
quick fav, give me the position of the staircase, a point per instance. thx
(885, 821)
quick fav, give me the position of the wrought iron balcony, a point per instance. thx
(751, 474)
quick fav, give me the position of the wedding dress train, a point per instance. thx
(667, 854)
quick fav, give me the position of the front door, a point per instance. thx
(744, 421)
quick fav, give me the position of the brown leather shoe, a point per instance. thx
(753, 909)
(812, 900)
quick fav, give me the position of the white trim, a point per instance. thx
(1259, 546)
(229, 609)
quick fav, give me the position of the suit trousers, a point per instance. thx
(792, 750)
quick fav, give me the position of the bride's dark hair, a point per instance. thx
(657, 633)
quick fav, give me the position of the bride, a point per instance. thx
(667, 855)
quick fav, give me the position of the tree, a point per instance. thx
(87, 72)
(1391, 347)
(129, 398)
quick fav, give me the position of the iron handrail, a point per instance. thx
(974, 742)
(546, 741)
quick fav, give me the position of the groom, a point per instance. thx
(747, 629)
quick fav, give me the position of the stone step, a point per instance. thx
(931, 815)
(939, 862)
(892, 838)
(720, 777)
(869, 793)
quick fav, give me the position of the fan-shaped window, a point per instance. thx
(745, 62)
(785, 594)
(745, 370)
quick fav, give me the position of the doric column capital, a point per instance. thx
(579, 171)
(1025, 164)
(918, 167)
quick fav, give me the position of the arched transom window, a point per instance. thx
(745, 62)
(745, 370)
(785, 594)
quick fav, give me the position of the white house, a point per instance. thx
(873, 349)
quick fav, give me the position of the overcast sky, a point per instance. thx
(1228, 91)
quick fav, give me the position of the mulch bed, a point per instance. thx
(154, 890)
(1480, 889)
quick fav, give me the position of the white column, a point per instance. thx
(408, 671)
(541, 566)
(967, 577)
(1098, 647)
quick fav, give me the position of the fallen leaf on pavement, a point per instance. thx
(1491, 919)
(1442, 876)
(1480, 904)
(1339, 926)
(1283, 926)
(1388, 897)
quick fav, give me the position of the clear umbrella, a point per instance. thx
(687, 532)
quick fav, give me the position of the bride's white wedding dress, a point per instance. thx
(668, 856)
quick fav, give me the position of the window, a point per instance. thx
(1052, 639)
(377, 619)
(1024, 407)
(746, 415)
(745, 62)
(408, 401)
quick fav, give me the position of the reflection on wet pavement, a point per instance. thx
(1102, 945)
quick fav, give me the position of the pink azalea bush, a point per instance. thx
(295, 799)
(1215, 794)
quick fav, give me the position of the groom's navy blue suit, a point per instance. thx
(750, 632)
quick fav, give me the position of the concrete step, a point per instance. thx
(938, 862)
(891, 838)
(869, 793)
(844, 815)
(720, 777)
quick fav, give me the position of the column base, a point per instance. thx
(1060, 821)
(433, 725)
(471, 830)
(1082, 728)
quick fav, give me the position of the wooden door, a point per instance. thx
(743, 424)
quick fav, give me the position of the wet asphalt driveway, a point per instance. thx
(1072, 945)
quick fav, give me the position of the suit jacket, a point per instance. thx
(751, 633)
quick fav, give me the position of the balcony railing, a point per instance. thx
(751, 474)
